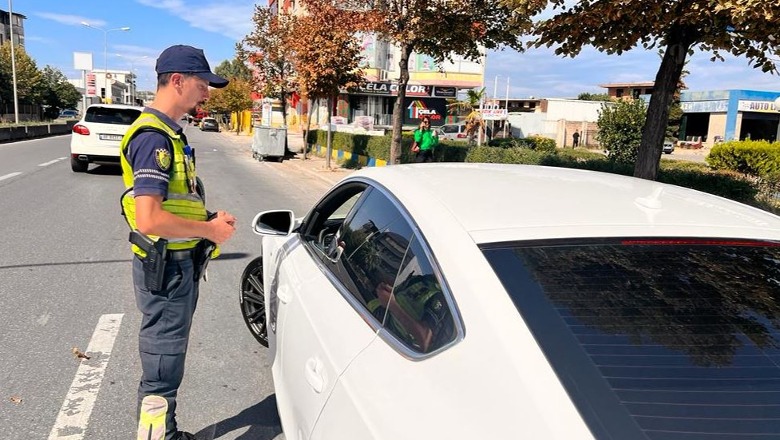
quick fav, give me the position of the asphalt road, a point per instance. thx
(65, 282)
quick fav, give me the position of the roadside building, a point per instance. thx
(121, 85)
(430, 85)
(6, 22)
(555, 118)
(629, 90)
(722, 115)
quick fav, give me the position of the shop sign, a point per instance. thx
(91, 88)
(445, 92)
(418, 110)
(704, 106)
(391, 89)
(492, 112)
(758, 106)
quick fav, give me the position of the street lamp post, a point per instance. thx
(133, 85)
(13, 61)
(105, 53)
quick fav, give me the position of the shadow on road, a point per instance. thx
(106, 170)
(262, 420)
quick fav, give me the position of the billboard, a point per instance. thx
(417, 108)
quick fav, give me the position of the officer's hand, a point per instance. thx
(222, 227)
(229, 219)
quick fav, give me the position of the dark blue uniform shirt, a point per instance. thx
(150, 177)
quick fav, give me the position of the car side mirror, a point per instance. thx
(278, 223)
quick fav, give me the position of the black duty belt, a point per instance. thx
(180, 255)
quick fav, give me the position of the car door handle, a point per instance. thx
(314, 374)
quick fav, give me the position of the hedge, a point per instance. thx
(378, 147)
(686, 174)
(756, 159)
(759, 159)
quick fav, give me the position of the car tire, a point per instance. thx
(252, 300)
(78, 166)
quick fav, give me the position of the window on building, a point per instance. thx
(619, 93)
(635, 93)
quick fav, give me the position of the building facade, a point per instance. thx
(710, 117)
(431, 84)
(629, 90)
(16, 22)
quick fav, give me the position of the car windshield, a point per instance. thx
(656, 339)
(111, 115)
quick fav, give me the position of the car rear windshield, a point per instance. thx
(108, 115)
(656, 339)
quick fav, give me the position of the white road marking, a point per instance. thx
(72, 420)
(50, 162)
(8, 176)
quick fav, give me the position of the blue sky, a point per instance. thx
(53, 33)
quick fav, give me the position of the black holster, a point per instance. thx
(202, 257)
(154, 262)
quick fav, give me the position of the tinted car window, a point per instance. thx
(109, 115)
(418, 313)
(326, 218)
(655, 339)
(449, 128)
(374, 240)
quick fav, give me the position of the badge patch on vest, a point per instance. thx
(163, 158)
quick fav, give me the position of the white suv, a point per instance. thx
(96, 137)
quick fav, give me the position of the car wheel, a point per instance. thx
(253, 300)
(78, 166)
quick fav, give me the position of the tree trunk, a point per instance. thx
(308, 129)
(398, 108)
(666, 81)
(284, 117)
(328, 143)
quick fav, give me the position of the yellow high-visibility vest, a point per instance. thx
(181, 201)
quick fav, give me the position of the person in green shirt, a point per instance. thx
(425, 139)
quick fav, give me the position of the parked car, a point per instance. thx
(209, 124)
(96, 137)
(452, 132)
(417, 302)
(69, 114)
(668, 147)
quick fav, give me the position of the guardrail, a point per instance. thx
(22, 132)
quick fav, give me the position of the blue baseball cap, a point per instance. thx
(189, 60)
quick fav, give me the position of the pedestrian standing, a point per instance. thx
(164, 207)
(575, 139)
(425, 139)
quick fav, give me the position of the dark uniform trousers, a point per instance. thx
(165, 330)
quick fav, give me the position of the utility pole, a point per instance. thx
(13, 61)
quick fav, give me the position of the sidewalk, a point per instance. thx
(313, 164)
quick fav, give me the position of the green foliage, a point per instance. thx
(538, 143)
(594, 97)
(759, 160)
(755, 158)
(28, 77)
(620, 129)
(56, 92)
(234, 68)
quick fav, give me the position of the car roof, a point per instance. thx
(499, 202)
(134, 107)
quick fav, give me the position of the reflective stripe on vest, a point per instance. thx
(180, 201)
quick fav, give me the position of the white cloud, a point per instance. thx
(43, 40)
(231, 19)
(72, 20)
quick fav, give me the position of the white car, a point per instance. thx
(96, 137)
(452, 132)
(418, 302)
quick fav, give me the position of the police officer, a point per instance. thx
(162, 201)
